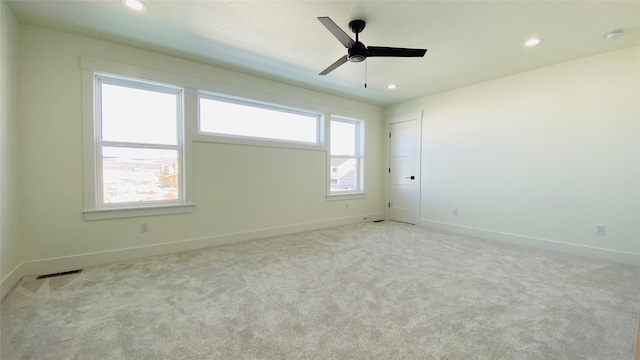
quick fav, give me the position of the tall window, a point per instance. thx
(246, 119)
(139, 143)
(346, 156)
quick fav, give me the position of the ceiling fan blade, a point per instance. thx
(342, 36)
(335, 65)
(394, 52)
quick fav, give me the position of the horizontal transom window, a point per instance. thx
(232, 117)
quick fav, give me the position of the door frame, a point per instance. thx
(417, 116)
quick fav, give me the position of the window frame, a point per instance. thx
(94, 73)
(359, 192)
(205, 136)
(101, 79)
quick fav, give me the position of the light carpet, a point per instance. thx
(364, 291)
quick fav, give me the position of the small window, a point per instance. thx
(139, 143)
(246, 119)
(346, 156)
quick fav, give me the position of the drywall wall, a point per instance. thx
(538, 156)
(238, 189)
(10, 247)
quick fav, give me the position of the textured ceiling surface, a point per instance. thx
(467, 41)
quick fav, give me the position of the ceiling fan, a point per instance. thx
(357, 51)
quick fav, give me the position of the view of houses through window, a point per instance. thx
(134, 175)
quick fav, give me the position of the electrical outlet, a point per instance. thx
(454, 211)
(144, 227)
(601, 229)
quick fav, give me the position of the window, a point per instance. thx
(346, 156)
(242, 118)
(138, 143)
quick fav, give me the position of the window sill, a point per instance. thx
(248, 141)
(118, 213)
(348, 196)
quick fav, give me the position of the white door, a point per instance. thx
(403, 170)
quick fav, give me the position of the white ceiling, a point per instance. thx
(467, 41)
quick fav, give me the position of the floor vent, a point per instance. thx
(379, 221)
(59, 274)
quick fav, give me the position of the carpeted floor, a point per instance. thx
(365, 291)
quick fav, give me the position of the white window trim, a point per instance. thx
(101, 143)
(93, 207)
(117, 213)
(347, 195)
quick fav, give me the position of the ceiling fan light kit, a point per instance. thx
(356, 50)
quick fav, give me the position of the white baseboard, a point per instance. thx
(11, 279)
(59, 264)
(540, 243)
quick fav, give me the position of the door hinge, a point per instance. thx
(389, 169)
(389, 205)
(389, 133)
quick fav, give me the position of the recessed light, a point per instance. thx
(134, 4)
(392, 86)
(532, 42)
(614, 34)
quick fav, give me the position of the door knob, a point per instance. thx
(410, 177)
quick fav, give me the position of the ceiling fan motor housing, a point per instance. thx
(357, 53)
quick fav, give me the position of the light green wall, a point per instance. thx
(545, 154)
(237, 188)
(10, 246)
